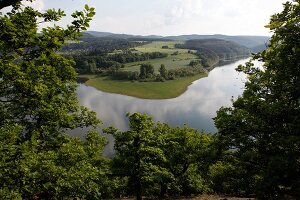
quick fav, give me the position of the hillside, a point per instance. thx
(212, 52)
(89, 42)
(119, 70)
(176, 57)
(259, 48)
(247, 41)
(117, 62)
(225, 50)
(252, 42)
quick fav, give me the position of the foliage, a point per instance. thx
(212, 51)
(222, 48)
(90, 43)
(129, 56)
(138, 154)
(146, 71)
(33, 169)
(103, 61)
(163, 71)
(160, 160)
(38, 85)
(183, 148)
(171, 61)
(5, 3)
(263, 125)
(195, 63)
(125, 75)
(38, 105)
(256, 150)
(185, 71)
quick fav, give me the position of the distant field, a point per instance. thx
(151, 90)
(157, 46)
(144, 90)
(171, 62)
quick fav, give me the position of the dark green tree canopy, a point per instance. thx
(158, 159)
(146, 70)
(263, 126)
(5, 3)
(38, 85)
(37, 105)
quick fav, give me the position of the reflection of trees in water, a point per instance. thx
(195, 107)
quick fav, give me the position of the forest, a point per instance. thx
(97, 55)
(105, 54)
(254, 154)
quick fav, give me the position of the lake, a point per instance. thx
(195, 108)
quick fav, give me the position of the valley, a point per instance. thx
(115, 64)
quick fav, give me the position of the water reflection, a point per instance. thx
(196, 107)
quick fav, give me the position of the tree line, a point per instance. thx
(213, 51)
(254, 153)
(87, 43)
(100, 62)
(147, 73)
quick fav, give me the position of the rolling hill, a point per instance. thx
(254, 43)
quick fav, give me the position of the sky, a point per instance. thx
(173, 17)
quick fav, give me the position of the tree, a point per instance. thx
(138, 155)
(5, 3)
(163, 71)
(184, 149)
(194, 63)
(37, 84)
(32, 170)
(38, 105)
(263, 126)
(146, 71)
(158, 159)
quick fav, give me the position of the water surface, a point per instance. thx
(196, 107)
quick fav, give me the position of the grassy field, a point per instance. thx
(182, 59)
(151, 90)
(144, 90)
(157, 46)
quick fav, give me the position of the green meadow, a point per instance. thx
(182, 59)
(152, 90)
(144, 90)
(157, 46)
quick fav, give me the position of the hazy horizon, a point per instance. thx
(174, 35)
(173, 17)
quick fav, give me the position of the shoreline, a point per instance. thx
(168, 89)
(145, 90)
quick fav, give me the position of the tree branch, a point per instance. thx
(5, 3)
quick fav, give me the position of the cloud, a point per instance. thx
(232, 17)
(174, 17)
(183, 9)
(37, 4)
(129, 24)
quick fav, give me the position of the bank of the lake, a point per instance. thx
(144, 90)
(196, 107)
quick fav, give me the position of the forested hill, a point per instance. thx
(255, 43)
(225, 50)
(89, 42)
(248, 41)
(93, 49)
(216, 51)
